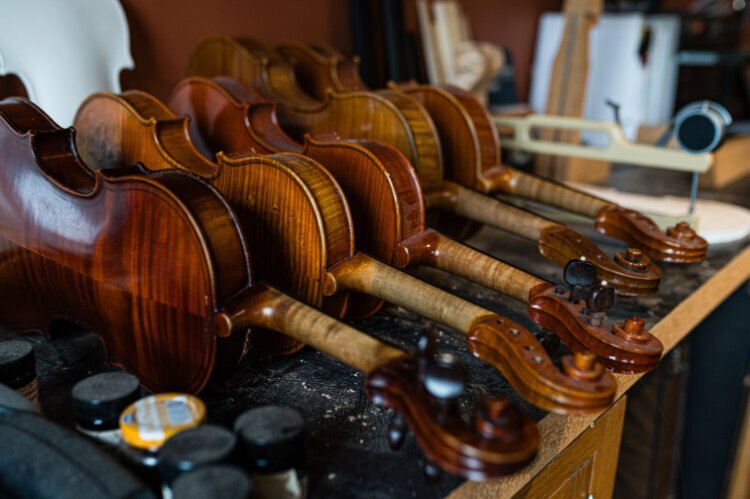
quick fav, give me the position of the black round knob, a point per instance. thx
(272, 439)
(227, 482)
(580, 273)
(600, 299)
(99, 400)
(196, 448)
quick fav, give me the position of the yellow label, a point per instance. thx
(149, 422)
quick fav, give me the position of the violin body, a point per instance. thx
(99, 250)
(319, 68)
(381, 185)
(471, 149)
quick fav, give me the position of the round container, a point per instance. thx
(17, 368)
(151, 421)
(273, 444)
(98, 402)
(226, 482)
(196, 448)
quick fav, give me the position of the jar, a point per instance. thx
(193, 449)
(151, 421)
(224, 481)
(273, 446)
(98, 402)
(18, 368)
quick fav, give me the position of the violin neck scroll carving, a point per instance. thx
(631, 273)
(583, 386)
(679, 244)
(424, 390)
(626, 347)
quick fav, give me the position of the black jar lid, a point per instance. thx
(99, 400)
(225, 481)
(196, 448)
(272, 439)
(16, 363)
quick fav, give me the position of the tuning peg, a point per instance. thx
(427, 344)
(600, 299)
(431, 472)
(445, 378)
(580, 275)
(497, 418)
(396, 432)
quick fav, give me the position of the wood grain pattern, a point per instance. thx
(305, 185)
(471, 150)
(146, 284)
(567, 89)
(558, 432)
(319, 67)
(380, 185)
(588, 467)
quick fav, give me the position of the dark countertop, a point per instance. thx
(348, 452)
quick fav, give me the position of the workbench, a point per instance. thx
(348, 452)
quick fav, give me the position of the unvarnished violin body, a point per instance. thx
(401, 121)
(471, 149)
(222, 115)
(284, 189)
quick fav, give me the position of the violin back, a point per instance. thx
(384, 115)
(144, 261)
(286, 230)
(469, 139)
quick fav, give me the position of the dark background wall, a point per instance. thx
(163, 32)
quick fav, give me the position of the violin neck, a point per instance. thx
(264, 306)
(369, 276)
(453, 198)
(555, 194)
(451, 256)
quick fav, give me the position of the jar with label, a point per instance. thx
(193, 449)
(151, 421)
(224, 481)
(18, 369)
(98, 402)
(273, 446)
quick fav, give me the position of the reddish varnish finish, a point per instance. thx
(295, 186)
(471, 148)
(156, 265)
(381, 185)
(402, 122)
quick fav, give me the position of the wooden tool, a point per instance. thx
(566, 95)
(399, 120)
(155, 264)
(227, 116)
(471, 152)
(302, 227)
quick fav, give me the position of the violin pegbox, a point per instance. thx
(424, 390)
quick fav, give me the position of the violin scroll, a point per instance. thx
(424, 390)
(629, 278)
(679, 244)
(518, 355)
(578, 316)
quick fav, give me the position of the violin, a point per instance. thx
(155, 264)
(401, 121)
(471, 148)
(227, 116)
(303, 228)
